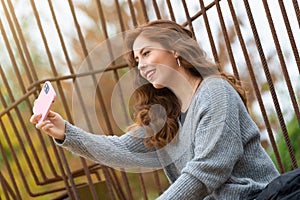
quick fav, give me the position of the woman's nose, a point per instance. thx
(141, 65)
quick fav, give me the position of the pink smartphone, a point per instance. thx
(44, 101)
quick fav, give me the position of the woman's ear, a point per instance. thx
(175, 54)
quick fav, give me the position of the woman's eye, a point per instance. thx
(146, 53)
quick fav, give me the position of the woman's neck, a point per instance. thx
(185, 90)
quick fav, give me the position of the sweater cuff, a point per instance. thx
(68, 128)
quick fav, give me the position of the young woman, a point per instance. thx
(190, 119)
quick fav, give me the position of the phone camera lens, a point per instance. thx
(46, 88)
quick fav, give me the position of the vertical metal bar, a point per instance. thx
(171, 10)
(12, 58)
(116, 184)
(50, 58)
(55, 73)
(85, 52)
(116, 77)
(3, 185)
(89, 178)
(10, 23)
(19, 139)
(199, 13)
(143, 188)
(74, 190)
(61, 39)
(77, 89)
(266, 70)
(254, 82)
(226, 38)
(10, 93)
(45, 42)
(157, 181)
(291, 37)
(25, 48)
(109, 182)
(102, 19)
(6, 136)
(119, 11)
(127, 186)
(209, 33)
(60, 165)
(296, 55)
(7, 189)
(297, 10)
(282, 61)
(156, 9)
(10, 173)
(144, 9)
(124, 177)
(98, 92)
(288, 82)
(85, 167)
(132, 13)
(18, 112)
(188, 17)
(101, 101)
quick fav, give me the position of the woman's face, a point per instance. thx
(155, 63)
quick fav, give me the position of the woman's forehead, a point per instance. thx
(141, 42)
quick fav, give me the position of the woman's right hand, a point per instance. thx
(53, 125)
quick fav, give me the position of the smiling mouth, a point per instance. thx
(149, 74)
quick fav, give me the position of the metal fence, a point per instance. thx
(50, 40)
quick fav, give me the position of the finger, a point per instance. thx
(47, 127)
(35, 118)
(40, 125)
(51, 114)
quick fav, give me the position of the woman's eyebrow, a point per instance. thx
(140, 51)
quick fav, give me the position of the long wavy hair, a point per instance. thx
(161, 124)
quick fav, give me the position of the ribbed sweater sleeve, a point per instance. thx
(218, 143)
(126, 151)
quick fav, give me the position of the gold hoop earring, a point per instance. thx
(178, 62)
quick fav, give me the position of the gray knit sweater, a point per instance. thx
(217, 154)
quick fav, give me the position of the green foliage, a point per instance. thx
(294, 135)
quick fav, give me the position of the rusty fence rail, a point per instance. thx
(258, 41)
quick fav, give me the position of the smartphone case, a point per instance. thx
(44, 101)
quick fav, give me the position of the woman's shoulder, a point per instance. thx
(214, 81)
(215, 85)
(217, 90)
